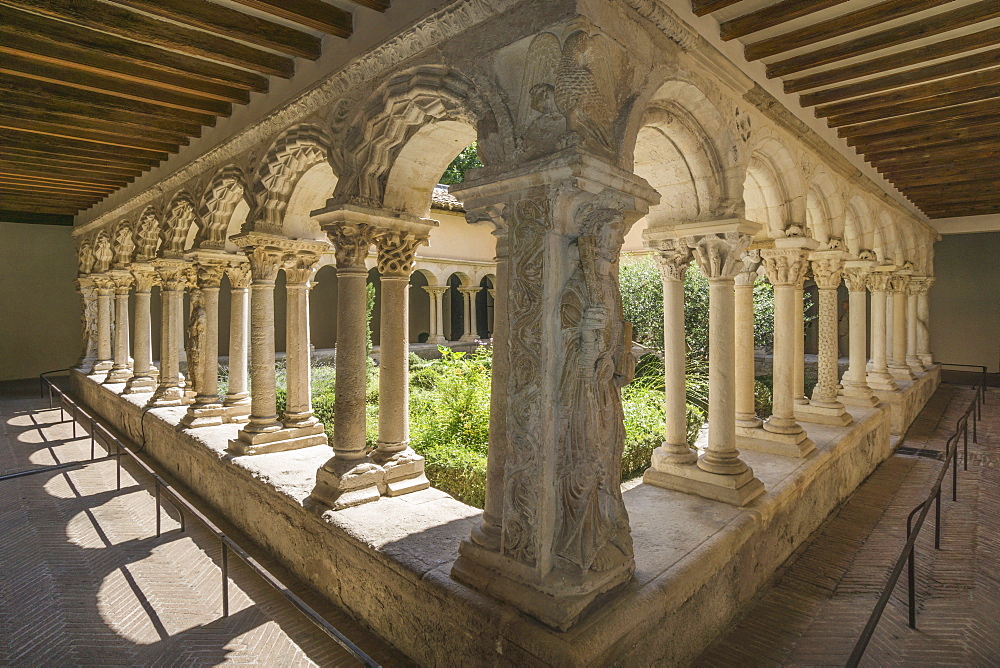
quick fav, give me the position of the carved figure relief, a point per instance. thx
(593, 531)
(195, 340)
(743, 123)
(572, 92)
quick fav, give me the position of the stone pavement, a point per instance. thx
(86, 581)
(820, 599)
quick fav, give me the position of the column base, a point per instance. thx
(855, 396)
(236, 407)
(558, 599)
(901, 372)
(749, 423)
(736, 490)
(916, 366)
(118, 375)
(166, 396)
(280, 440)
(203, 415)
(468, 338)
(835, 415)
(926, 359)
(140, 385)
(881, 381)
(101, 366)
(404, 472)
(672, 454)
(345, 483)
(788, 445)
(439, 340)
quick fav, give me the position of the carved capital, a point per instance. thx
(104, 284)
(145, 278)
(856, 278)
(827, 269)
(266, 262)
(239, 275)
(351, 243)
(898, 283)
(751, 264)
(173, 275)
(300, 268)
(718, 255)
(436, 290)
(123, 281)
(785, 266)
(672, 257)
(209, 275)
(878, 281)
(397, 252)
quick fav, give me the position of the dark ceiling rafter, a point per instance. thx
(925, 114)
(95, 92)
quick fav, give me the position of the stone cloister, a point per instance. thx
(604, 127)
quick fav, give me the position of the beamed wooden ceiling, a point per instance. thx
(912, 85)
(95, 92)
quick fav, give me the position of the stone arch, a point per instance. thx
(824, 208)
(428, 274)
(294, 153)
(682, 144)
(181, 223)
(775, 188)
(464, 279)
(223, 194)
(147, 234)
(401, 141)
(103, 253)
(884, 244)
(907, 243)
(123, 244)
(858, 235)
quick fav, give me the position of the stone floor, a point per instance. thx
(819, 601)
(86, 581)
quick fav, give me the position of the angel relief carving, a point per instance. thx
(572, 92)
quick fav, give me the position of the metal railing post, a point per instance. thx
(225, 579)
(937, 520)
(157, 508)
(954, 474)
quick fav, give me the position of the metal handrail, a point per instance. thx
(180, 504)
(907, 556)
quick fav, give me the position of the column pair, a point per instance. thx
(437, 293)
(173, 277)
(786, 267)
(203, 340)
(824, 407)
(718, 474)
(854, 385)
(878, 377)
(923, 322)
(898, 364)
(469, 304)
(144, 374)
(354, 475)
(104, 287)
(87, 290)
(297, 428)
(914, 289)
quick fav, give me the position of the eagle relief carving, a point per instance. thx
(571, 93)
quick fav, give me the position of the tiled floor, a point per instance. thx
(86, 581)
(820, 600)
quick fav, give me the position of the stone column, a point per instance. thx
(437, 293)
(350, 477)
(746, 412)
(87, 290)
(879, 377)
(302, 427)
(206, 411)
(173, 281)
(855, 390)
(121, 370)
(824, 407)
(143, 373)
(786, 268)
(923, 323)
(673, 258)
(897, 359)
(564, 534)
(913, 290)
(469, 319)
(404, 468)
(719, 474)
(105, 289)
(237, 401)
(799, 372)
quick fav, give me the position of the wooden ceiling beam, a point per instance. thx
(937, 170)
(958, 18)
(99, 125)
(22, 159)
(377, 5)
(313, 14)
(880, 12)
(971, 148)
(67, 56)
(56, 95)
(125, 54)
(139, 27)
(956, 213)
(768, 17)
(984, 202)
(925, 139)
(222, 20)
(81, 112)
(67, 188)
(910, 93)
(9, 197)
(942, 101)
(39, 216)
(976, 61)
(908, 132)
(933, 117)
(72, 146)
(109, 139)
(98, 83)
(936, 182)
(43, 175)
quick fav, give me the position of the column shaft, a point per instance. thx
(143, 374)
(674, 369)
(878, 377)
(349, 427)
(104, 299)
(237, 396)
(799, 381)
(721, 455)
(393, 393)
(782, 418)
(121, 370)
(912, 360)
(746, 413)
(263, 399)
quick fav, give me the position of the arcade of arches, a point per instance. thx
(614, 128)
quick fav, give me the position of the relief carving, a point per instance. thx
(397, 252)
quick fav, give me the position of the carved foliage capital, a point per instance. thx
(209, 275)
(123, 282)
(173, 278)
(718, 255)
(300, 268)
(239, 275)
(145, 278)
(899, 283)
(266, 262)
(673, 258)
(397, 252)
(878, 281)
(86, 288)
(105, 286)
(351, 243)
(856, 279)
(785, 266)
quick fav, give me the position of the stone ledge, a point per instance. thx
(388, 563)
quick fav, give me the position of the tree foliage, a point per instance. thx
(464, 161)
